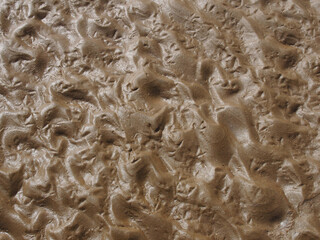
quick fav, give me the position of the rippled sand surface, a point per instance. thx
(160, 119)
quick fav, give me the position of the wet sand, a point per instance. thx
(160, 120)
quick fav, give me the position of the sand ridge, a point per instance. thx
(159, 119)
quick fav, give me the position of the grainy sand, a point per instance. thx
(160, 120)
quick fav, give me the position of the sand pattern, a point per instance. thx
(160, 119)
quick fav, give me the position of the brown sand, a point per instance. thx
(160, 120)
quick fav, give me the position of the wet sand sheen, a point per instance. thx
(159, 119)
